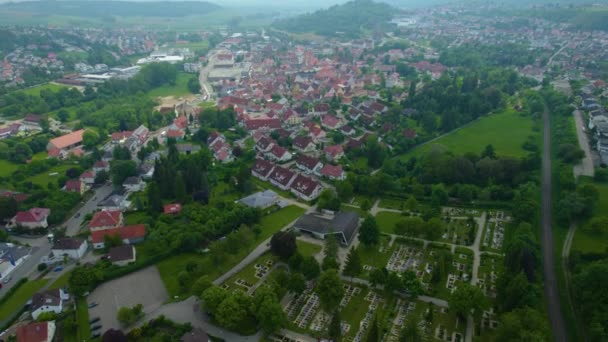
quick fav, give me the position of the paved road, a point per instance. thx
(585, 168)
(551, 292)
(73, 223)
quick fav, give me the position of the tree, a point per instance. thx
(268, 310)
(194, 85)
(128, 316)
(283, 244)
(598, 225)
(234, 310)
(466, 300)
(334, 330)
(121, 170)
(212, 298)
(378, 276)
(373, 335)
(411, 204)
(369, 234)
(89, 139)
(201, 284)
(8, 208)
(523, 324)
(328, 200)
(101, 177)
(411, 332)
(296, 283)
(488, 152)
(330, 290)
(434, 229)
(113, 335)
(353, 263)
(180, 190)
(366, 205)
(82, 279)
(411, 284)
(63, 115)
(331, 253)
(155, 202)
(310, 268)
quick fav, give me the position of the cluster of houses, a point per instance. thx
(222, 151)
(598, 121)
(30, 123)
(305, 188)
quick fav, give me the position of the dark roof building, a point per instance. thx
(343, 224)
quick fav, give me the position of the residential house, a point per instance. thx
(308, 164)
(333, 172)
(321, 109)
(122, 255)
(262, 199)
(106, 219)
(279, 154)
(306, 188)
(48, 301)
(129, 234)
(172, 209)
(121, 137)
(333, 152)
(71, 247)
(330, 122)
(303, 144)
(75, 185)
(31, 122)
(101, 165)
(9, 131)
(133, 184)
(281, 177)
(264, 145)
(269, 124)
(262, 169)
(176, 134)
(87, 177)
(317, 134)
(63, 145)
(114, 202)
(32, 218)
(347, 130)
(36, 332)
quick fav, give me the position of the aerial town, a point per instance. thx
(441, 176)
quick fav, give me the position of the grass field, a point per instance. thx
(585, 241)
(20, 297)
(82, 318)
(274, 222)
(387, 220)
(179, 89)
(7, 168)
(506, 131)
(43, 179)
(307, 249)
(35, 90)
(61, 282)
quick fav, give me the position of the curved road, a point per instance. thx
(551, 292)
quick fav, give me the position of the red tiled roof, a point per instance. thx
(105, 218)
(304, 185)
(301, 142)
(126, 232)
(33, 332)
(334, 150)
(262, 123)
(173, 208)
(262, 167)
(175, 133)
(329, 170)
(278, 151)
(281, 175)
(32, 215)
(330, 121)
(102, 164)
(73, 185)
(121, 135)
(307, 162)
(68, 139)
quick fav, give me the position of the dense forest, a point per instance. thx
(349, 19)
(583, 18)
(111, 8)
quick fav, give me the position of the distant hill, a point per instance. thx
(100, 8)
(349, 19)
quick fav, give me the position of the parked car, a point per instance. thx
(58, 269)
(94, 320)
(6, 280)
(92, 304)
(95, 327)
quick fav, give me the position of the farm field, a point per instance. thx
(506, 132)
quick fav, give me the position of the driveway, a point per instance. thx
(73, 223)
(142, 287)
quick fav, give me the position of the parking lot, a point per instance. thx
(142, 287)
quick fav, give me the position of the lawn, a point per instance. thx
(169, 268)
(136, 217)
(307, 249)
(387, 220)
(20, 297)
(82, 318)
(179, 89)
(373, 257)
(7, 168)
(61, 282)
(585, 241)
(506, 132)
(272, 223)
(35, 91)
(44, 178)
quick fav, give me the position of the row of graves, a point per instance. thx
(494, 234)
(461, 213)
(460, 231)
(252, 275)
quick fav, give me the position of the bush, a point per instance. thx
(42, 266)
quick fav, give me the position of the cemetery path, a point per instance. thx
(551, 291)
(481, 222)
(439, 302)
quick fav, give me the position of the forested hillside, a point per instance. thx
(349, 19)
